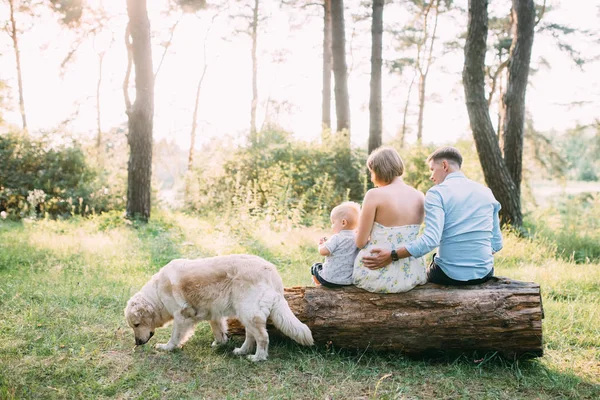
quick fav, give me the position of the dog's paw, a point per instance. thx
(238, 351)
(219, 340)
(164, 347)
(256, 358)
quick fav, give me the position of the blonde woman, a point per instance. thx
(391, 215)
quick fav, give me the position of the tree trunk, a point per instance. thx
(195, 120)
(340, 72)
(501, 112)
(421, 109)
(128, 70)
(423, 68)
(375, 126)
(500, 315)
(518, 74)
(253, 132)
(167, 45)
(141, 114)
(98, 108)
(501, 91)
(402, 138)
(327, 66)
(495, 171)
(14, 36)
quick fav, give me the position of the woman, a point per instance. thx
(391, 215)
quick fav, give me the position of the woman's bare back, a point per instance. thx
(398, 204)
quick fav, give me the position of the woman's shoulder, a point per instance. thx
(420, 194)
(373, 193)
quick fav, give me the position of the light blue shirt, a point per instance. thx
(461, 217)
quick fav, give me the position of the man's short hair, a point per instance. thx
(386, 163)
(446, 153)
(347, 210)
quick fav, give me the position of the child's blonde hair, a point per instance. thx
(349, 211)
(386, 163)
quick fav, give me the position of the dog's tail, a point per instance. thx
(284, 319)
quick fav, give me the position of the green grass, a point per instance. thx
(64, 284)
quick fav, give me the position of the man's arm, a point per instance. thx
(434, 226)
(496, 232)
(380, 258)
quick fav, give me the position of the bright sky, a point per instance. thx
(226, 94)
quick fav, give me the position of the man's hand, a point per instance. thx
(378, 259)
(322, 240)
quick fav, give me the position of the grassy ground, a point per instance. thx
(63, 287)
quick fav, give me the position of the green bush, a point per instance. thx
(281, 179)
(39, 178)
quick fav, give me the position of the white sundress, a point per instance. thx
(399, 276)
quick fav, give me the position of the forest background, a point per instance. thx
(248, 151)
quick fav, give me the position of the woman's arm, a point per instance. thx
(367, 217)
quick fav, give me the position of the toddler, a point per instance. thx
(340, 249)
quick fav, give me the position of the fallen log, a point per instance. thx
(501, 315)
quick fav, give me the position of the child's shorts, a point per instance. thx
(315, 271)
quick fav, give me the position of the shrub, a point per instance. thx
(38, 178)
(280, 179)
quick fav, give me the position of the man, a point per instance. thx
(461, 217)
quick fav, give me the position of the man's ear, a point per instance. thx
(445, 165)
(344, 222)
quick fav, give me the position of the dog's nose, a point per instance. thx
(139, 342)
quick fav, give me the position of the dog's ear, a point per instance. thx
(139, 307)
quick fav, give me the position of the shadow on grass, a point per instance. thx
(529, 377)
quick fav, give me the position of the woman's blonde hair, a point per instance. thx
(386, 163)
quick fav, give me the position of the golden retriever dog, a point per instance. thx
(246, 287)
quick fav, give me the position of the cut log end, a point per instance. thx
(501, 315)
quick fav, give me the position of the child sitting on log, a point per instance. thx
(340, 249)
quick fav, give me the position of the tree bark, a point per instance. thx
(514, 123)
(501, 315)
(15, 39)
(197, 104)
(195, 120)
(127, 70)
(402, 138)
(327, 67)
(253, 105)
(375, 113)
(98, 107)
(495, 171)
(501, 113)
(141, 114)
(502, 89)
(423, 67)
(422, 80)
(340, 72)
(167, 45)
